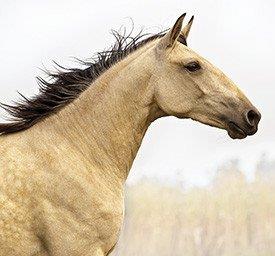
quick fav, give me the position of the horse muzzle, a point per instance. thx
(246, 124)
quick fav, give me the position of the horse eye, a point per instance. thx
(193, 66)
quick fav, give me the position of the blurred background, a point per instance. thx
(229, 217)
(192, 190)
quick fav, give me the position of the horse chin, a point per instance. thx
(234, 135)
(235, 132)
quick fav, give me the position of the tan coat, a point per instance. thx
(62, 180)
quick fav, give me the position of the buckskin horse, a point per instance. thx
(67, 151)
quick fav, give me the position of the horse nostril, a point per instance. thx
(252, 117)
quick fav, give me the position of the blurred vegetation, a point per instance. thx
(230, 217)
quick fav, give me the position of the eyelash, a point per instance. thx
(193, 66)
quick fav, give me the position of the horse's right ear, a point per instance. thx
(170, 38)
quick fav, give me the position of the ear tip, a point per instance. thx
(191, 20)
(182, 16)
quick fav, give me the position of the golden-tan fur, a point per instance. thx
(62, 180)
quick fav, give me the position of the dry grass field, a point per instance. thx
(230, 217)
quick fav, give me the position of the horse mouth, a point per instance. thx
(235, 131)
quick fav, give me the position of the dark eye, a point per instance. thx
(193, 66)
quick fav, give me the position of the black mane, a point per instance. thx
(66, 84)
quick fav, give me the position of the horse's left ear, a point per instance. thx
(186, 29)
(170, 38)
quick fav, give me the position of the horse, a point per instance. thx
(67, 151)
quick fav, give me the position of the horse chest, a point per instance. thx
(86, 215)
(109, 217)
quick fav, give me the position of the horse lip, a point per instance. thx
(235, 131)
(253, 131)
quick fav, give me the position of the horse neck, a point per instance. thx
(108, 121)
